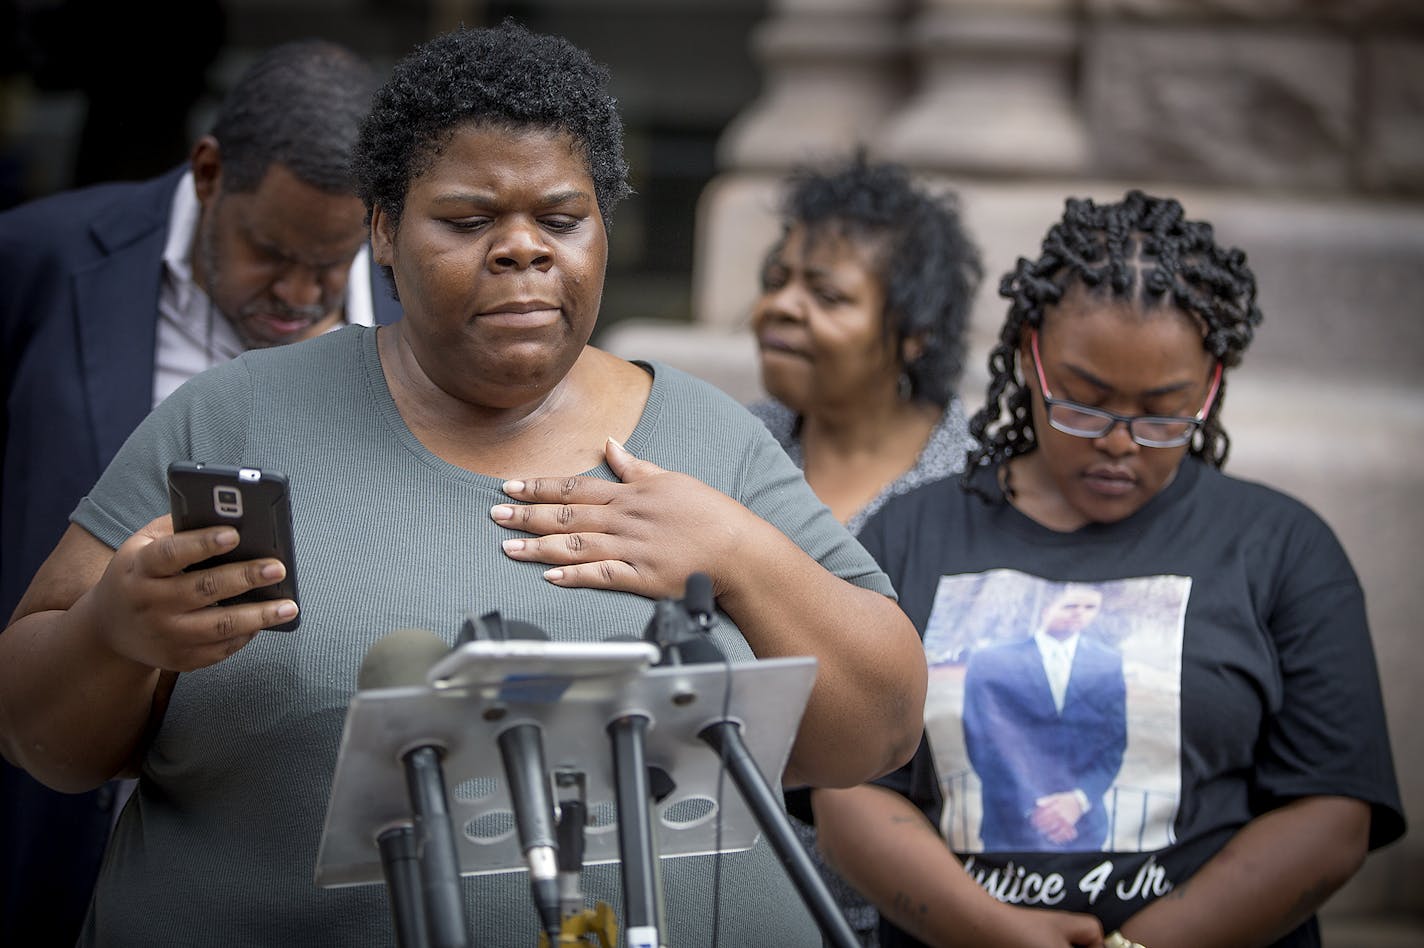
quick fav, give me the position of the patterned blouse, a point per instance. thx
(942, 456)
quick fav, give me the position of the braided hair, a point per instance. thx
(1140, 249)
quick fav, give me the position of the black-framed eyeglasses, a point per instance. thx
(1150, 431)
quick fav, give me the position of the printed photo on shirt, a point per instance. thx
(1054, 711)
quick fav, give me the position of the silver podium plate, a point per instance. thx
(572, 691)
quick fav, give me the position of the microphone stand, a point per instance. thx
(725, 737)
(684, 635)
(521, 748)
(400, 863)
(635, 832)
(389, 818)
(444, 902)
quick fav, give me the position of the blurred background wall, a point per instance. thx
(95, 89)
(1296, 126)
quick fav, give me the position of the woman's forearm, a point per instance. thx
(95, 642)
(1268, 879)
(866, 710)
(883, 846)
(71, 712)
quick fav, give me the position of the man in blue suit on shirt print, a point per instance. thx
(1045, 726)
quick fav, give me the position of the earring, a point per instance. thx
(906, 388)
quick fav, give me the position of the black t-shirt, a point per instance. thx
(1221, 665)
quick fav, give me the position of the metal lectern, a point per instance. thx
(609, 716)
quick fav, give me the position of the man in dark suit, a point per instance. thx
(1045, 725)
(112, 296)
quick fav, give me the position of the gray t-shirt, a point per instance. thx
(219, 844)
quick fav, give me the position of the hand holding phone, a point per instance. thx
(256, 503)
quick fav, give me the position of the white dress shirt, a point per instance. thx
(192, 334)
(1057, 663)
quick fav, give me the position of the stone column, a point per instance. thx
(833, 69)
(995, 94)
(1392, 113)
(1221, 92)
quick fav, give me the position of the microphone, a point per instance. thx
(698, 600)
(401, 658)
(521, 747)
(674, 626)
(682, 629)
(692, 643)
(671, 628)
(573, 824)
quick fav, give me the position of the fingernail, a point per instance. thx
(227, 538)
(553, 575)
(502, 512)
(615, 442)
(513, 487)
(287, 610)
(273, 571)
(512, 546)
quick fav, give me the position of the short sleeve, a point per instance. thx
(1329, 735)
(205, 420)
(775, 489)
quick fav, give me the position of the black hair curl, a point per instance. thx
(928, 265)
(504, 76)
(1141, 248)
(300, 104)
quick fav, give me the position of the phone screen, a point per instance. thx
(254, 502)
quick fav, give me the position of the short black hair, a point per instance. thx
(1143, 249)
(928, 265)
(504, 76)
(300, 105)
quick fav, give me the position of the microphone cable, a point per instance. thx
(721, 779)
(765, 798)
(700, 605)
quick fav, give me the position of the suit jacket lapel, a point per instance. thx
(385, 308)
(116, 314)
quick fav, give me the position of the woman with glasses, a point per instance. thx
(1256, 772)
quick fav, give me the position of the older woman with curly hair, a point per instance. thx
(861, 322)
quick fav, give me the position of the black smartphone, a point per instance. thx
(254, 502)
